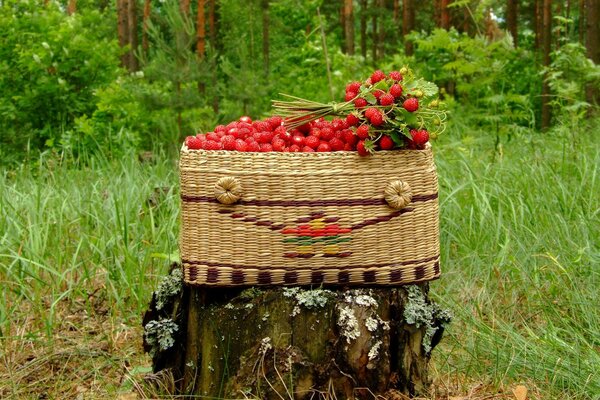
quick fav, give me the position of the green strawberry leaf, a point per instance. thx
(395, 135)
(371, 99)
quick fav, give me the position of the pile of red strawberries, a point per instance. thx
(359, 127)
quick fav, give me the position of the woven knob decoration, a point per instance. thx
(398, 194)
(228, 190)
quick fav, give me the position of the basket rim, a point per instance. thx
(328, 154)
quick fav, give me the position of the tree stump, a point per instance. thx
(293, 343)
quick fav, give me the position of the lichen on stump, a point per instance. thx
(298, 343)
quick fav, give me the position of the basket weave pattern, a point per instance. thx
(309, 218)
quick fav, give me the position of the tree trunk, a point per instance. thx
(145, 21)
(539, 22)
(295, 343)
(546, 41)
(72, 7)
(511, 20)
(184, 6)
(374, 31)
(200, 30)
(592, 45)
(363, 28)
(349, 26)
(133, 35)
(581, 21)
(396, 12)
(123, 29)
(212, 27)
(265, 38)
(408, 24)
(381, 33)
(445, 15)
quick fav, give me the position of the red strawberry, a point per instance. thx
(246, 119)
(298, 140)
(295, 148)
(336, 144)
(220, 128)
(377, 76)
(312, 142)
(349, 96)
(419, 137)
(213, 136)
(326, 134)
(193, 143)
(266, 147)
(362, 132)
(395, 75)
(323, 147)
(338, 124)
(353, 87)
(278, 144)
(349, 147)
(360, 147)
(261, 126)
(411, 105)
(360, 103)
(370, 111)
(253, 146)
(265, 137)
(228, 142)
(307, 149)
(386, 99)
(376, 118)
(378, 93)
(350, 138)
(352, 120)
(396, 90)
(275, 121)
(386, 143)
(212, 145)
(240, 145)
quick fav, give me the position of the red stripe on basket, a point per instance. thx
(308, 203)
(235, 266)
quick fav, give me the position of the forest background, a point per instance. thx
(97, 96)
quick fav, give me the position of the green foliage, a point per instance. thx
(50, 66)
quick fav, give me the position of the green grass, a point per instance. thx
(82, 248)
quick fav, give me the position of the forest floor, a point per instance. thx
(81, 250)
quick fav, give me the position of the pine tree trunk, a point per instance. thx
(184, 6)
(408, 24)
(145, 21)
(547, 41)
(296, 343)
(445, 15)
(363, 28)
(592, 45)
(511, 20)
(123, 29)
(200, 30)
(349, 26)
(133, 34)
(72, 7)
(539, 25)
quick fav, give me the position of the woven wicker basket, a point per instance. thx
(309, 218)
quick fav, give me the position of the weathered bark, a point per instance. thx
(123, 29)
(349, 26)
(408, 24)
(133, 34)
(546, 48)
(363, 28)
(72, 7)
(445, 14)
(592, 44)
(297, 343)
(145, 21)
(511, 20)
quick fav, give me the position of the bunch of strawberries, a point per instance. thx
(384, 112)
